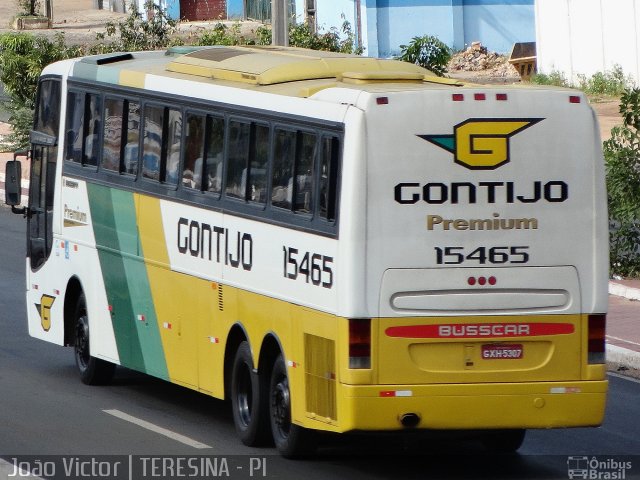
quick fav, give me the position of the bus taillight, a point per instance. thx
(597, 328)
(359, 343)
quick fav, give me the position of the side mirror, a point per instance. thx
(12, 183)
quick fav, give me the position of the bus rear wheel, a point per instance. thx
(292, 441)
(93, 371)
(248, 399)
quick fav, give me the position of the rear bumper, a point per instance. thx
(485, 406)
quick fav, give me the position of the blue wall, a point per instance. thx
(498, 24)
(235, 9)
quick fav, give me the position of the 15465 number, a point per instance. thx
(313, 267)
(482, 255)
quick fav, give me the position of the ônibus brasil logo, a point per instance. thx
(481, 143)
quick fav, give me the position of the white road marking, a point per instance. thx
(624, 377)
(155, 428)
(623, 340)
(8, 468)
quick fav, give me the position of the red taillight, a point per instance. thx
(359, 343)
(574, 99)
(597, 330)
(457, 97)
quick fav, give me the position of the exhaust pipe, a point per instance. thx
(409, 420)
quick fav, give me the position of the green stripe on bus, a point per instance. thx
(125, 278)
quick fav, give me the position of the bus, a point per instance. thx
(333, 243)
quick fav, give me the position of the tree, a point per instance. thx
(622, 161)
(22, 58)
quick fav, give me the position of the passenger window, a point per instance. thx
(113, 118)
(282, 173)
(92, 120)
(73, 127)
(305, 162)
(238, 161)
(174, 141)
(215, 151)
(194, 151)
(48, 109)
(152, 143)
(329, 177)
(259, 164)
(132, 147)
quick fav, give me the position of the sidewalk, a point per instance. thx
(623, 325)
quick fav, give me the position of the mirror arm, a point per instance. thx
(19, 211)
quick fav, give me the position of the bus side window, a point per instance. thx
(48, 108)
(92, 120)
(73, 127)
(329, 177)
(238, 159)
(214, 154)
(259, 163)
(132, 147)
(174, 142)
(193, 151)
(305, 163)
(152, 141)
(282, 173)
(112, 134)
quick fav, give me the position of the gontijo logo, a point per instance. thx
(481, 143)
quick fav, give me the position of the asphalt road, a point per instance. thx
(45, 410)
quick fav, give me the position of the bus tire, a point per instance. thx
(504, 441)
(249, 399)
(93, 371)
(292, 441)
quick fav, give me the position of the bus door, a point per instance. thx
(44, 152)
(40, 212)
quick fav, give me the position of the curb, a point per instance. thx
(620, 355)
(623, 356)
(620, 290)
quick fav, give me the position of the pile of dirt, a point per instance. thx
(478, 59)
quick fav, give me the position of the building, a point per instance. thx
(582, 37)
(382, 26)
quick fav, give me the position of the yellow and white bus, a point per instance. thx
(335, 243)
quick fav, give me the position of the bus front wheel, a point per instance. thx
(291, 440)
(93, 371)
(248, 399)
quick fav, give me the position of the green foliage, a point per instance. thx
(221, 34)
(300, 35)
(622, 160)
(335, 40)
(136, 33)
(555, 78)
(22, 58)
(428, 52)
(612, 82)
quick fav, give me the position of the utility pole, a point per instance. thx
(279, 23)
(48, 11)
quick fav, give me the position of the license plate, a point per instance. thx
(502, 352)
